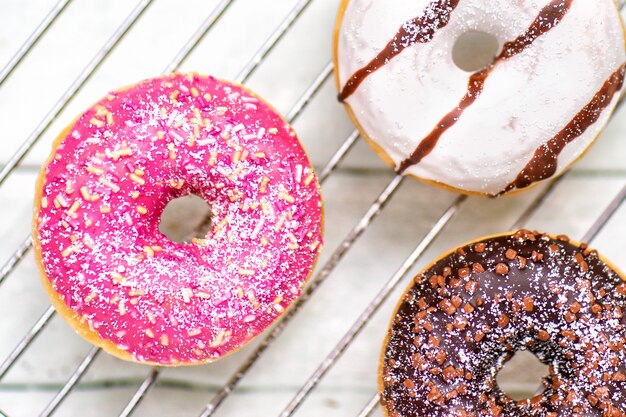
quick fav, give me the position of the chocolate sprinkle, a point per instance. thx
(570, 317)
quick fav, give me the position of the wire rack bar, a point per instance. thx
(74, 88)
(374, 210)
(206, 26)
(540, 198)
(16, 258)
(309, 93)
(328, 362)
(350, 336)
(293, 114)
(319, 278)
(27, 243)
(180, 57)
(176, 62)
(272, 40)
(606, 215)
(32, 39)
(374, 306)
(141, 392)
(83, 367)
(73, 380)
(27, 145)
(589, 236)
(369, 408)
(347, 243)
(26, 341)
(343, 150)
(291, 117)
(296, 110)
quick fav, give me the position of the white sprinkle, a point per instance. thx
(249, 99)
(93, 141)
(193, 332)
(298, 173)
(177, 136)
(114, 187)
(62, 201)
(88, 241)
(281, 221)
(246, 204)
(173, 115)
(186, 293)
(258, 228)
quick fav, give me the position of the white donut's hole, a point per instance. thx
(475, 50)
(521, 376)
(186, 218)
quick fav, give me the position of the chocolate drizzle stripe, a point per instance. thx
(422, 29)
(548, 18)
(544, 161)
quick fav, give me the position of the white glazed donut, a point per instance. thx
(524, 118)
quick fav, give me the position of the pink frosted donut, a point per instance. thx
(125, 286)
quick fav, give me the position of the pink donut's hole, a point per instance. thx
(520, 378)
(475, 50)
(186, 218)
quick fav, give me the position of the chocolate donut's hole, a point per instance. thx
(186, 218)
(475, 50)
(520, 378)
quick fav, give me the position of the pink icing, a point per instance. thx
(111, 178)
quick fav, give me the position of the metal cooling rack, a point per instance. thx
(323, 272)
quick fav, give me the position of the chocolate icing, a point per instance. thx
(544, 162)
(548, 18)
(422, 29)
(467, 314)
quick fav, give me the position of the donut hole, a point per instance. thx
(521, 377)
(186, 218)
(475, 50)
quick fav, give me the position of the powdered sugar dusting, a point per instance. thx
(112, 176)
(467, 315)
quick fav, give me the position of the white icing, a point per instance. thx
(527, 99)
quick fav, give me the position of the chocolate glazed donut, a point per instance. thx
(470, 311)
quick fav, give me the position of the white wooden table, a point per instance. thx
(284, 75)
